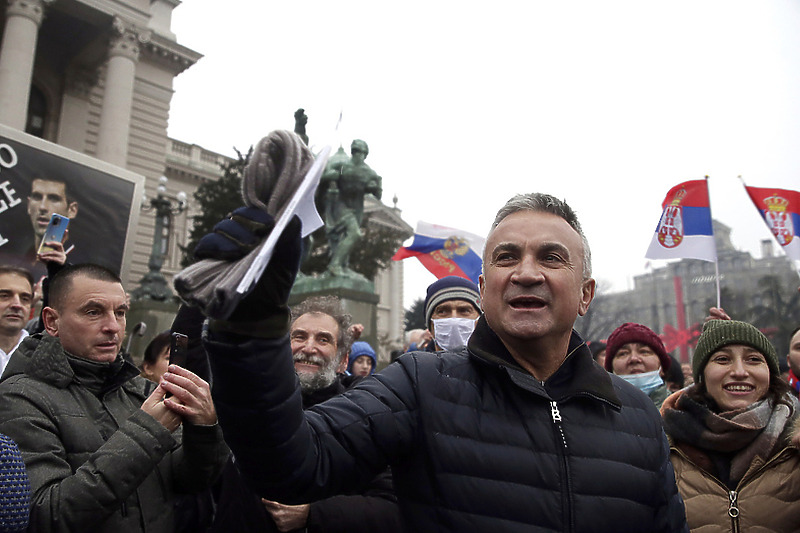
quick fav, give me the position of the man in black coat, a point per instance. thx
(320, 341)
(520, 431)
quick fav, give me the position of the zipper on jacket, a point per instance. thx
(733, 510)
(733, 495)
(566, 497)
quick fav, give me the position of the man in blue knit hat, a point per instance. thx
(452, 305)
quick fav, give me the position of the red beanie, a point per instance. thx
(630, 332)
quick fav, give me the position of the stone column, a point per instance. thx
(75, 108)
(115, 116)
(17, 52)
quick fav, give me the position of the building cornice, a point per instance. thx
(125, 10)
(168, 54)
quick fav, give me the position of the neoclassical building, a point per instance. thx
(96, 76)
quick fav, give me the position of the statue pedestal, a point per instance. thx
(357, 296)
(157, 315)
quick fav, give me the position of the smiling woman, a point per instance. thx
(730, 434)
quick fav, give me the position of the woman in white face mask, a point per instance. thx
(636, 354)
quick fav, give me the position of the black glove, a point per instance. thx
(234, 237)
(189, 321)
(263, 311)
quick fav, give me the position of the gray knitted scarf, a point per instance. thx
(277, 167)
(744, 434)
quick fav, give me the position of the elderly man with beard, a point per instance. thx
(320, 337)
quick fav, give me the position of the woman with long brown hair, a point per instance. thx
(730, 435)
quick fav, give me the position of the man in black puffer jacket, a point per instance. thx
(521, 431)
(321, 338)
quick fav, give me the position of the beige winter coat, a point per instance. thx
(766, 499)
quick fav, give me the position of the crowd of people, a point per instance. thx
(498, 416)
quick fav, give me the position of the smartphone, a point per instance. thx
(54, 232)
(177, 349)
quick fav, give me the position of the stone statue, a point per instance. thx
(341, 192)
(300, 121)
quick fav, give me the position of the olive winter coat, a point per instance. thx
(96, 461)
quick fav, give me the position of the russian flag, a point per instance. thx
(780, 209)
(684, 230)
(445, 251)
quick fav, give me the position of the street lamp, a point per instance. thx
(153, 285)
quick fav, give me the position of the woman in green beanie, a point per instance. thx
(730, 435)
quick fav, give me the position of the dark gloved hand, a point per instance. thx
(263, 311)
(189, 321)
(235, 237)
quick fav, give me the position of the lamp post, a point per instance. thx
(153, 285)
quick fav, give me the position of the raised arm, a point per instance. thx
(335, 447)
(283, 452)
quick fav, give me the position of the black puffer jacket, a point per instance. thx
(372, 509)
(475, 442)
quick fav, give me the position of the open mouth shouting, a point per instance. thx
(527, 303)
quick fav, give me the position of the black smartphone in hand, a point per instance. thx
(178, 347)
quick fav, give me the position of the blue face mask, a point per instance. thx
(646, 382)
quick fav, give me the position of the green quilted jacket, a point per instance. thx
(96, 461)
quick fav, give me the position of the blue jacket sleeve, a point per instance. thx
(335, 447)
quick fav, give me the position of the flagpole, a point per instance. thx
(336, 131)
(716, 259)
(742, 180)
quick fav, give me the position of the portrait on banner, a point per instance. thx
(38, 178)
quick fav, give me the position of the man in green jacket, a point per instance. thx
(103, 453)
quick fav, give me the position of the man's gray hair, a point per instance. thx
(544, 203)
(331, 306)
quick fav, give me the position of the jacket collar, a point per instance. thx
(578, 375)
(42, 357)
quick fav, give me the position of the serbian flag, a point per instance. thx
(780, 209)
(685, 231)
(445, 251)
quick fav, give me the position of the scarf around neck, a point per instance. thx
(742, 434)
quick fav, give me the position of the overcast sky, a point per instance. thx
(464, 104)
